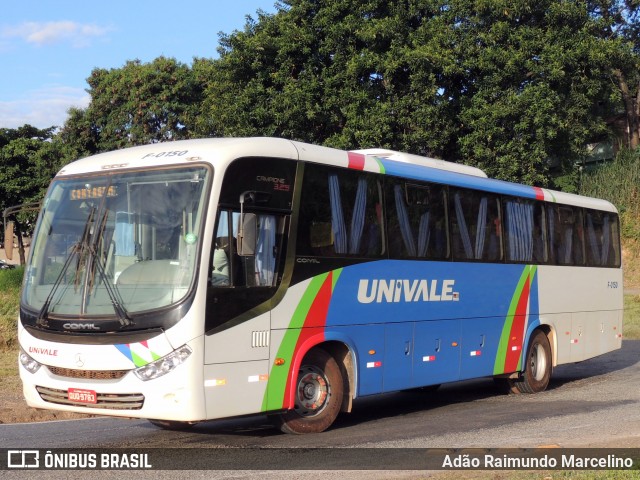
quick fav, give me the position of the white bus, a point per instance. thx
(202, 279)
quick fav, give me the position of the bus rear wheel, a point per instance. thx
(538, 365)
(318, 395)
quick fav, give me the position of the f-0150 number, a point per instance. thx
(172, 153)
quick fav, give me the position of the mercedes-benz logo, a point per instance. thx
(79, 360)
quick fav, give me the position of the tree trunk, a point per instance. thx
(632, 110)
(23, 259)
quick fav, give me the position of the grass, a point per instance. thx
(10, 281)
(631, 320)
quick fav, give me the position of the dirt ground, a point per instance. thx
(14, 409)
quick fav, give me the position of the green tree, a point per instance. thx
(506, 85)
(619, 22)
(341, 73)
(137, 104)
(28, 161)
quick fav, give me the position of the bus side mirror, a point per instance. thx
(247, 234)
(8, 240)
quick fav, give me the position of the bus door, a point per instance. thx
(436, 357)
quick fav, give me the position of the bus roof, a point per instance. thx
(221, 151)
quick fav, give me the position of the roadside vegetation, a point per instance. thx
(10, 281)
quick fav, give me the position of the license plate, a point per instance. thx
(82, 396)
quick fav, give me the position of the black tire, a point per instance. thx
(171, 425)
(538, 365)
(318, 396)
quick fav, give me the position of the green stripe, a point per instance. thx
(501, 356)
(379, 162)
(278, 377)
(137, 360)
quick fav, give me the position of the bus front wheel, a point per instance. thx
(318, 395)
(538, 365)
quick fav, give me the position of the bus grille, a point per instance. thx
(112, 401)
(88, 374)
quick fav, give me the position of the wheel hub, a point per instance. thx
(312, 392)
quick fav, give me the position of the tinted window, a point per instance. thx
(566, 246)
(602, 245)
(525, 231)
(476, 229)
(340, 213)
(417, 220)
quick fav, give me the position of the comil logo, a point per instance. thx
(23, 459)
(397, 291)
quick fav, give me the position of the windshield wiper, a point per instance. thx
(86, 246)
(44, 311)
(78, 249)
(96, 260)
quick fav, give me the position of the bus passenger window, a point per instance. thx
(525, 231)
(340, 214)
(601, 239)
(566, 235)
(476, 226)
(417, 221)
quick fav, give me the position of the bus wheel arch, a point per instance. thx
(318, 395)
(343, 355)
(537, 363)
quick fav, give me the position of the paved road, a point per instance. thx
(591, 404)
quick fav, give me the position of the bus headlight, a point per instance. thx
(163, 365)
(27, 362)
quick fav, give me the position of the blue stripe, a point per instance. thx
(417, 172)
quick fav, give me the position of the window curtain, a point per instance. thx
(593, 241)
(424, 234)
(606, 240)
(406, 231)
(347, 242)
(358, 217)
(481, 228)
(124, 235)
(600, 251)
(403, 220)
(462, 225)
(265, 250)
(337, 217)
(520, 230)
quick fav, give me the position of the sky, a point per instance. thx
(49, 48)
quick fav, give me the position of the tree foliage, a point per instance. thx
(505, 85)
(515, 87)
(29, 159)
(136, 104)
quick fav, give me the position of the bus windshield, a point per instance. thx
(116, 244)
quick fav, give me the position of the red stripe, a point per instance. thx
(516, 335)
(539, 193)
(316, 317)
(356, 160)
